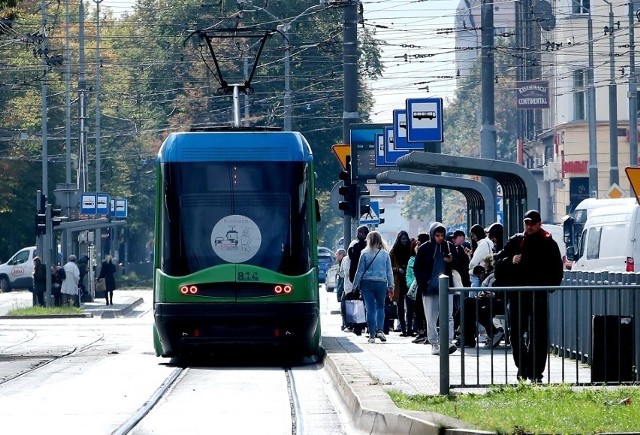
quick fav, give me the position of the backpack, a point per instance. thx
(61, 274)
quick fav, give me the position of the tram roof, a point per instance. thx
(235, 146)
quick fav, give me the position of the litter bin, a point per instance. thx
(612, 349)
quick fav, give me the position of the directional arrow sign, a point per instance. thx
(342, 151)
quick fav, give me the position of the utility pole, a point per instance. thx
(46, 247)
(614, 173)
(633, 90)
(82, 94)
(591, 117)
(43, 87)
(350, 77)
(488, 129)
(68, 99)
(98, 89)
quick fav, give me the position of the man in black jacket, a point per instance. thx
(355, 248)
(354, 251)
(531, 258)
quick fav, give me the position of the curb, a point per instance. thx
(51, 316)
(112, 314)
(373, 411)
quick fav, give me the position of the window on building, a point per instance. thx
(579, 95)
(580, 6)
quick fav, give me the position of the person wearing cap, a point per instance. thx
(530, 258)
(69, 288)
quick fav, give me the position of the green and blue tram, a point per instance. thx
(235, 261)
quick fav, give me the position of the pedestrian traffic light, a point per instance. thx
(40, 224)
(349, 194)
(380, 218)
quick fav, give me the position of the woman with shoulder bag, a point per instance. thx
(374, 279)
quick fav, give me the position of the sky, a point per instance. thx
(416, 29)
(418, 50)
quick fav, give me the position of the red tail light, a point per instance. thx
(280, 289)
(188, 289)
(630, 264)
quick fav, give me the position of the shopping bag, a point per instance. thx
(355, 311)
(413, 290)
(101, 285)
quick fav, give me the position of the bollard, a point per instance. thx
(443, 284)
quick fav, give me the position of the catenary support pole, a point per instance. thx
(633, 90)
(350, 77)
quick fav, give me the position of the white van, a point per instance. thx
(609, 240)
(573, 223)
(558, 236)
(18, 271)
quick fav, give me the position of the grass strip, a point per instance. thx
(527, 408)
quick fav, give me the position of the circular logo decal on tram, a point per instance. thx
(236, 238)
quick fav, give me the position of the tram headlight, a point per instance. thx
(283, 289)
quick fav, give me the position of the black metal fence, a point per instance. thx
(593, 327)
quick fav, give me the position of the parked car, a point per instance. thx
(324, 251)
(324, 263)
(18, 271)
(331, 280)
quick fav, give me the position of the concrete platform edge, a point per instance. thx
(373, 410)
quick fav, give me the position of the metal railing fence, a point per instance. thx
(592, 328)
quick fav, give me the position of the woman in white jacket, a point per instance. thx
(483, 248)
(69, 287)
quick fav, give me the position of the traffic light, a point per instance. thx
(380, 218)
(41, 217)
(56, 219)
(41, 223)
(345, 175)
(348, 204)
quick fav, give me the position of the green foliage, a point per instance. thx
(537, 409)
(155, 79)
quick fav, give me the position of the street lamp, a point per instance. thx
(284, 29)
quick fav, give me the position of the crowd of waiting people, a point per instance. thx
(400, 287)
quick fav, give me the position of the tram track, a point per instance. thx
(42, 360)
(179, 373)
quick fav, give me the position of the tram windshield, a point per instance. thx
(249, 212)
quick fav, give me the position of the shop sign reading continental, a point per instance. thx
(533, 95)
